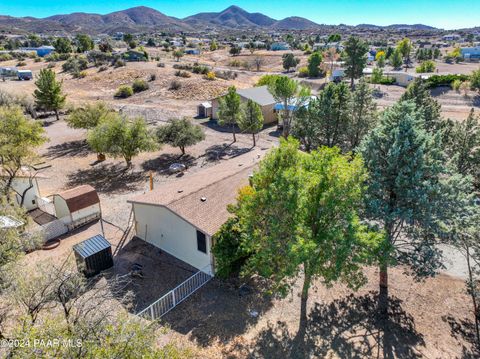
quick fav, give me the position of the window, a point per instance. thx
(201, 242)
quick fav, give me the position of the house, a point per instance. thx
(279, 46)
(204, 110)
(451, 37)
(260, 95)
(401, 78)
(25, 186)
(181, 217)
(24, 74)
(41, 51)
(192, 51)
(132, 55)
(471, 53)
(77, 206)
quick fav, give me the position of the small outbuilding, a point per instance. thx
(93, 255)
(77, 206)
(204, 110)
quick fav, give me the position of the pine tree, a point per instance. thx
(48, 94)
(355, 58)
(251, 119)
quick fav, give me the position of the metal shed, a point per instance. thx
(93, 255)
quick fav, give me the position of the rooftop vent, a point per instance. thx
(203, 199)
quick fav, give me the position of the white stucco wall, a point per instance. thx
(61, 209)
(20, 184)
(169, 232)
(86, 212)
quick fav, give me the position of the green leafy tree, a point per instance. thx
(396, 59)
(475, 80)
(289, 61)
(425, 67)
(334, 38)
(381, 58)
(88, 115)
(49, 95)
(462, 142)
(121, 137)
(178, 54)
(430, 109)
(405, 48)
(314, 62)
(63, 45)
(355, 58)
(229, 110)
(84, 43)
(364, 115)
(405, 165)
(302, 217)
(288, 91)
(252, 119)
(180, 133)
(235, 50)
(213, 46)
(267, 80)
(19, 137)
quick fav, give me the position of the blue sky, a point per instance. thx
(447, 14)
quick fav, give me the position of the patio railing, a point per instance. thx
(174, 297)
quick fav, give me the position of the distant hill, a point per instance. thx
(144, 19)
(294, 22)
(232, 16)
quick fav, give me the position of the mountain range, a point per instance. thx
(141, 19)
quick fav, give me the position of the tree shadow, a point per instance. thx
(108, 178)
(350, 327)
(464, 330)
(68, 149)
(218, 312)
(213, 125)
(224, 151)
(163, 162)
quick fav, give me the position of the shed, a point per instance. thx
(204, 110)
(93, 255)
(77, 206)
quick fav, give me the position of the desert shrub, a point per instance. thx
(139, 85)
(124, 92)
(152, 77)
(37, 59)
(79, 74)
(6, 57)
(118, 63)
(175, 85)
(187, 67)
(181, 73)
(75, 64)
(444, 80)
(102, 68)
(307, 52)
(210, 76)
(161, 64)
(226, 75)
(56, 57)
(235, 63)
(455, 85)
(303, 71)
(200, 69)
(51, 65)
(21, 63)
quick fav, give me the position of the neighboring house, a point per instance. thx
(181, 217)
(401, 78)
(77, 206)
(41, 51)
(132, 55)
(24, 74)
(471, 53)
(279, 46)
(260, 95)
(192, 51)
(25, 186)
(451, 37)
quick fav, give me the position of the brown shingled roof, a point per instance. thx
(218, 185)
(80, 197)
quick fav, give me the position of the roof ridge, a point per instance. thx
(213, 183)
